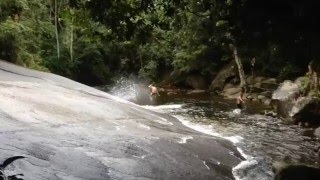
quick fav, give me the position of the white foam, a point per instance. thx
(169, 106)
(119, 127)
(243, 165)
(237, 111)
(141, 157)
(235, 139)
(207, 129)
(206, 165)
(184, 139)
(242, 153)
(144, 126)
(154, 137)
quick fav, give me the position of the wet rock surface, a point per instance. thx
(66, 130)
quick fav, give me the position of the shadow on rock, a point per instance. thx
(5, 164)
(295, 172)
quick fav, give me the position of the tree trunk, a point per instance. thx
(56, 18)
(141, 64)
(240, 68)
(71, 40)
(310, 75)
(316, 88)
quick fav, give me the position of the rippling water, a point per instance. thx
(263, 139)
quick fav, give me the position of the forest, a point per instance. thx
(95, 41)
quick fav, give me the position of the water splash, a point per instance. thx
(126, 88)
(163, 108)
(133, 90)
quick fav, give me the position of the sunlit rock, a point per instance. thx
(290, 105)
(66, 130)
(285, 96)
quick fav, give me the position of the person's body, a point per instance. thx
(154, 90)
(240, 101)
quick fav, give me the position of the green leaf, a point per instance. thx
(221, 23)
(229, 2)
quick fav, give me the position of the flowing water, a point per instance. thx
(262, 140)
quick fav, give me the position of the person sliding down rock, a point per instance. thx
(154, 90)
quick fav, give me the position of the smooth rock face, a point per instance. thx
(287, 90)
(285, 95)
(67, 130)
(227, 73)
(302, 110)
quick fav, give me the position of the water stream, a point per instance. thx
(262, 139)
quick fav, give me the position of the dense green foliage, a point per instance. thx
(93, 41)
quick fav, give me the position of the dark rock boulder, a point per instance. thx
(230, 85)
(228, 73)
(306, 110)
(295, 172)
(269, 86)
(196, 81)
(253, 80)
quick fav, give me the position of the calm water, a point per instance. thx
(263, 139)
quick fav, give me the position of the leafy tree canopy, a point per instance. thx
(98, 40)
